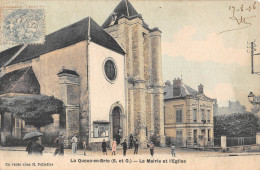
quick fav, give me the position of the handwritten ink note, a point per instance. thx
(242, 16)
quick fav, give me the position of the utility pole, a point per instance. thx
(253, 49)
(252, 57)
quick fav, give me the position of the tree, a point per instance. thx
(236, 125)
(36, 110)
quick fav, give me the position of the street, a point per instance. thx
(185, 159)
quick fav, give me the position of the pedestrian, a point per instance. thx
(59, 143)
(124, 144)
(118, 137)
(74, 142)
(151, 146)
(114, 147)
(104, 147)
(173, 150)
(136, 144)
(84, 146)
(131, 139)
(29, 147)
(34, 148)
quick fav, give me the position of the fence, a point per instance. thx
(190, 142)
(217, 142)
(205, 142)
(238, 141)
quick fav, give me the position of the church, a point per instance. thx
(109, 77)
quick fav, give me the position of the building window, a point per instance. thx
(101, 130)
(202, 116)
(110, 69)
(164, 114)
(195, 134)
(179, 141)
(2, 121)
(208, 116)
(179, 134)
(208, 134)
(195, 115)
(178, 116)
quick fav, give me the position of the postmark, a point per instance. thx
(23, 25)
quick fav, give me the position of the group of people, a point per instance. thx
(59, 143)
(34, 146)
(114, 146)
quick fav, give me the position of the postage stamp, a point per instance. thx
(23, 25)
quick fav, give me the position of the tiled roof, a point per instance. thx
(20, 81)
(185, 91)
(64, 37)
(123, 9)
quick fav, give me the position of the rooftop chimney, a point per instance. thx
(200, 88)
(177, 87)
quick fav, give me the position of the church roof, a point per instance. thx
(64, 37)
(123, 9)
(20, 81)
(185, 91)
(7, 54)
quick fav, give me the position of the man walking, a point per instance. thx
(136, 144)
(74, 142)
(151, 146)
(124, 144)
(104, 147)
(59, 142)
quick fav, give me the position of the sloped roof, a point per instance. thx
(185, 91)
(124, 8)
(67, 36)
(7, 54)
(20, 81)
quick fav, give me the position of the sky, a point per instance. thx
(204, 42)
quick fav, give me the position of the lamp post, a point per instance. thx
(252, 99)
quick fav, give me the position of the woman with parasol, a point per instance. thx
(33, 147)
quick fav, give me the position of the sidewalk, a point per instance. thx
(158, 150)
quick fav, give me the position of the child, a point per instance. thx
(114, 147)
(84, 146)
(173, 150)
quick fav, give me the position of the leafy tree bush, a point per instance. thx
(36, 110)
(236, 125)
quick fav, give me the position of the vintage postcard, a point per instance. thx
(129, 84)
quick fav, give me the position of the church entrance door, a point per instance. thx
(117, 131)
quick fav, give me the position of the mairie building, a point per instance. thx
(109, 78)
(188, 115)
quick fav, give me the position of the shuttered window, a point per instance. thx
(208, 116)
(178, 116)
(202, 116)
(194, 115)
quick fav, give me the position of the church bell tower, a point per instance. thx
(143, 72)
